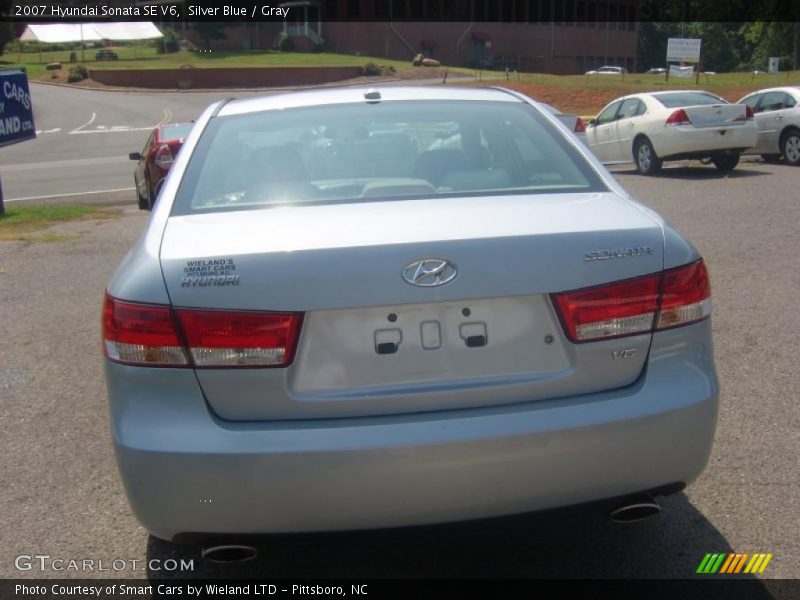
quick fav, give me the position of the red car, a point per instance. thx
(155, 160)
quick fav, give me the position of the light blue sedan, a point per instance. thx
(335, 321)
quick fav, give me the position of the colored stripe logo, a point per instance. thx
(723, 563)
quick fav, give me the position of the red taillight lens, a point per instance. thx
(748, 111)
(678, 297)
(580, 126)
(147, 335)
(685, 296)
(163, 157)
(240, 339)
(141, 334)
(607, 311)
(679, 117)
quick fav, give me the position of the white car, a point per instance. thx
(607, 70)
(648, 129)
(777, 114)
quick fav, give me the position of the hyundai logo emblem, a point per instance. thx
(430, 272)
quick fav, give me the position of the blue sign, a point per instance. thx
(16, 110)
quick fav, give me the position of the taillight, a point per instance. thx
(748, 111)
(141, 334)
(607, 311)
(150, 335)
(679, 117)
(675, 297)
(580, 126)
(685, 296)
(163, 157)
(240, 339)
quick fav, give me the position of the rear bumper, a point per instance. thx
(186, 471)
(682, 141)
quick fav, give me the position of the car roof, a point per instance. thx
(354, 94)
(783, 88)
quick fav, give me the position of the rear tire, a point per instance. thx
(726, 161)
(645, 157)
(790, 146)
(151, 200)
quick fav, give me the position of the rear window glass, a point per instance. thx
(175, 132)
(678, 99)
(369, 152)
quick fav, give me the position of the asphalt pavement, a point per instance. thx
(61, 493)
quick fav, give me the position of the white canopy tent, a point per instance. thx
(58, 33)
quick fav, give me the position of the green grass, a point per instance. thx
(636, 80)
(17, 221)
(147, 58)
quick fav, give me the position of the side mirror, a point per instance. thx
(135, 156)
(592, 122)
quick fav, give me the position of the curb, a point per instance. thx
(343, 83)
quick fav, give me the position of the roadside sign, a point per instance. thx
(16, 111)
(774, 64)
(676, 71)
(683, 50)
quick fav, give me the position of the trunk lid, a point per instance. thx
(489, 336)
(717, 115)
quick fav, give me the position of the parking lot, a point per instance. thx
(62, 495)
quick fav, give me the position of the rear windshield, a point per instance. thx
(175, 132)
(678, 99)
(383, 151)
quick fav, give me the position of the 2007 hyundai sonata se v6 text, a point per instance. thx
(360, 308)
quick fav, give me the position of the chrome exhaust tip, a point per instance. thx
(636, 509)
(229, 554)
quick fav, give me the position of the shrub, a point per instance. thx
(77, 73)
(320, 47)
(372, 70)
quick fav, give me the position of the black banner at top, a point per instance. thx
(504, 11)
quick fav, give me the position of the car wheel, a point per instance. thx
(726, 161)
(151, 200)
(142, 201)
(646, 159)
(791, 147)
(771, 158)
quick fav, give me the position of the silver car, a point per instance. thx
(332, 322)
(777, 114)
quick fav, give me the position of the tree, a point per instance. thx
(209, 31)
(6, 27)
